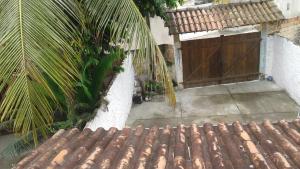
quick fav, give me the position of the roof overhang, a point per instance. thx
(219, 17)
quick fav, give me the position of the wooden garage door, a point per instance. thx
(225, 59)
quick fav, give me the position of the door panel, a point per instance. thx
(240, 54)
(219, 60)
(201, 61)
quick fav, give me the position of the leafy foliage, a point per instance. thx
(152, 86)
(56, 54)
(156, 7)
(100, 61)
(33, 46)
(125, 20)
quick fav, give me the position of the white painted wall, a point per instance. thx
(289, 8)
(283, 63)
(218, 33)
(160, 32)
(269, 56)
(119, 99)
(263, 49)
(178, 61)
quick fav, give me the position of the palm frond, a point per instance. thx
(34, 40)
(129, 28)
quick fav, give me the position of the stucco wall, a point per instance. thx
(218, 33)
(178, 61)
(263, 49)
(119, 99)
(283, 63)
(269, 56)
(160, 32)
(290, 8)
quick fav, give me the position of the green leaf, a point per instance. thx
(102, 69)
(130, 30)
(35, 40)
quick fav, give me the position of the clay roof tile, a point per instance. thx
(223, 16)
(266, 145)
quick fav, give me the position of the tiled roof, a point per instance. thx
(218, 17)
(261, 146)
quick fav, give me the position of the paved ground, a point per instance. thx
(245, 102)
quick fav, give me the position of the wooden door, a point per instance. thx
(240, 57)
(225, 59)
(201, 62)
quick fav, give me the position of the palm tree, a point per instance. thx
(36, 46)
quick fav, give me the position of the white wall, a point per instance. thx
(178, 61)
(283, 63)
(119, 99)
(218, 33)
(269, 56)
(160, 32)
(289, 8)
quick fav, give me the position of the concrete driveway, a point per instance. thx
(247, 101)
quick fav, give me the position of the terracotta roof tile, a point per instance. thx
(273, 7)
(266, 145)
(218, 17)
(297, 123)
(196, 21)
(250, 18)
